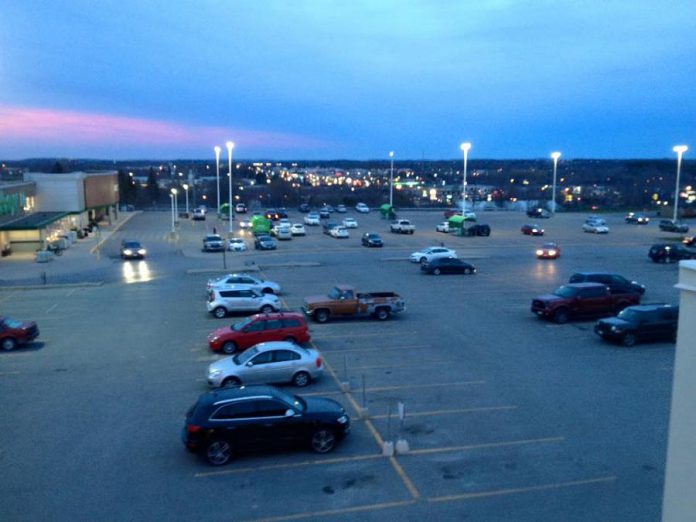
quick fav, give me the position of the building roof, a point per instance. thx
(35, 221)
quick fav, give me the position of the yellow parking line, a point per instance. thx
(432, 385)
(352, 335)
(378, 349)
(412, 365)
(446, 412)
(340, 511)
(484, 445)
(306, 463)
(528, 489)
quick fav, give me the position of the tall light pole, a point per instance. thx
(217, 174)
(176, 205)
(465, 147)
(186, 187)
(230, 146)
(554, 157)
(171, 197)
(391, 179)
(680, 150)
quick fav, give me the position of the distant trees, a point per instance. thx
(153, 191)
(127, 187)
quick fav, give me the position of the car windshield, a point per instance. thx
(243, 357)
(335, 293)
(629, 315)
(241, 324)
(566, 291)
(293, 400)
(12, 323)
(131, 244)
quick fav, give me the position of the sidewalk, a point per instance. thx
(77, 262)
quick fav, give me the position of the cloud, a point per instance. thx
(56, 127)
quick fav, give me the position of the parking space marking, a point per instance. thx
(53, 307)
(19, 354)
(340, 511)
(528, 489)
(411, 365)
(447, 412)
(9, 373)
(380, 334)
(303, 464)
(484, 445)
(378, 349)
(431, 385)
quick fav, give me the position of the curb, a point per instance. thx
(52, 286)
(118, 226)
(251, 268)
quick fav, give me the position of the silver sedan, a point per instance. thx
(272, 362)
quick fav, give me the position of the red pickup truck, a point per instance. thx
(14, 333)
(581, 300)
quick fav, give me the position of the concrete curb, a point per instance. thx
(251, 268)
(52, 286)
(106, 236)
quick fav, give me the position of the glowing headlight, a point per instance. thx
(540, 252)
(142, 251)
(342, 419)
(128, 251)
(614, 329)
(552, 252)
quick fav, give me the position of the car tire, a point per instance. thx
(266, 309)
(382, 314)
(321, 316)
(437, 271)
(229, 347)
(301, 379)
(231, 381)
(218, 452)
(8, 344)
(220, 312)
(560, 316)
(468, 271)
(628, 340)
(323, 440)
(423, 260)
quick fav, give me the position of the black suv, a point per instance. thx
(640, 323)
(538, 213)
(617, 284)
(669, 225)
(670, 253)
(234, 419)
(476, 230)
(372, 239)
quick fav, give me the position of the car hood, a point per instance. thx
(321, 405)
(226, 364)
(548, 298)
(317, 299)
(614, 321)
(220, 332)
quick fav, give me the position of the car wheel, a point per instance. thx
(229, 347)
(423, 260)
(301, 379)
(218, 452)
(266, 309)
(467, 271)
(323, 440)
(220, 312)
(437, 271)
(231, 381)
(628, 339)
(9, 343)
(321, 316)
(267, 290)
(290, 339)
(561, 316)
(382, 314)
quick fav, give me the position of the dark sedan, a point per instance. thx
(372, 239)
(132, 250)
(447, 265)
(264, 242)
(670, 253)
(532, 230)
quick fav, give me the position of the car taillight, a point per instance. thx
(318, 362)
(192, 428)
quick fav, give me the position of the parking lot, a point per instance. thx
(507, 417)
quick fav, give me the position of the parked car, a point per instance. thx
(350, 222)
(282, 232)
(669, 225)
(532, 230)
(469, 215)
(443, 227)
(447, 265)
(372, 239)
(233, 419)
(14, 333)
(297, 229)
(131, 249)
(663, 253)
(312, 219)
(198, 214)
(636, 219)
(241, 299)
(246, 280)
(267, 363)
(689, 241)
(213, 243)
(617, 284)
(548, 251)
(344, 301)
(264, 242)
(260, 328)
(362, 208)
(236, 244)
(339, 232)
(538, 212)
(324, 213)
(430, 253)
(478, 229)
(328, 226)
(595, 227)
(240, 208)
(634, 324)
(341, 209)
(304, 208)
(402, 226)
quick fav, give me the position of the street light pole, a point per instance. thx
(186, 188)
(217, 174)
(465, 147)
(391, 179)
(230, 146)
(554, 157)
(176, 205)
(680, 150)
(171, 198)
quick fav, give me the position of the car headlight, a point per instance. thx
(214, 373)
(614, 329)
(343, 419)
(552, 252)
(214, 339)
(540, 252)
(142, 251)
(128, 251)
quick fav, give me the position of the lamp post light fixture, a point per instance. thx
(391, 179)
(230, 146)
(465, 147)
(218, 150)
(176, 205)
(186, 189)
(680, 150)
(171, 198)
(554, 157)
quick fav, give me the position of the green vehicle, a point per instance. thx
(224, 211)
(260, 225)
(387, 211)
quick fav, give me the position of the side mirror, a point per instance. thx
(250, 364)
(290, 412)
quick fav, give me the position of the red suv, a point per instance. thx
(14, 333)
(260, 328)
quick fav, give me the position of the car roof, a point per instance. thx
(279, 315)
(585, 285)
(221, 395)
(593, 273)
(652, 307)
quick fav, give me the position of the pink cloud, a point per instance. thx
(63, 127)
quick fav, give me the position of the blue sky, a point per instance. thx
(347, 79)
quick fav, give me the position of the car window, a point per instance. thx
(291, 323)
(348, 294)
(618, 280)
(285, 355)
(274, 324)
(263, 358)
(593, 292)
(246, 293)
(247, 281)
(270, 408)
(237, 410)
(258, 326)
(230, 293)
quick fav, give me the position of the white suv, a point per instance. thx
(237, 281)
(240, 299)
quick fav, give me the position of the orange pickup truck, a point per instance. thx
(344, 301)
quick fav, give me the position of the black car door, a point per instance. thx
(236, 422)
(275, 425)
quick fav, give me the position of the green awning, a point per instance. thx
(35, 221)
(456, 221)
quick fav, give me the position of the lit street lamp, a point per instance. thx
(186, 187)
(171, 197)
(466, 147)
(176, 205)
(217, 173)
(230, 146)
(554, 157)
(680, 150)
(391, 178)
